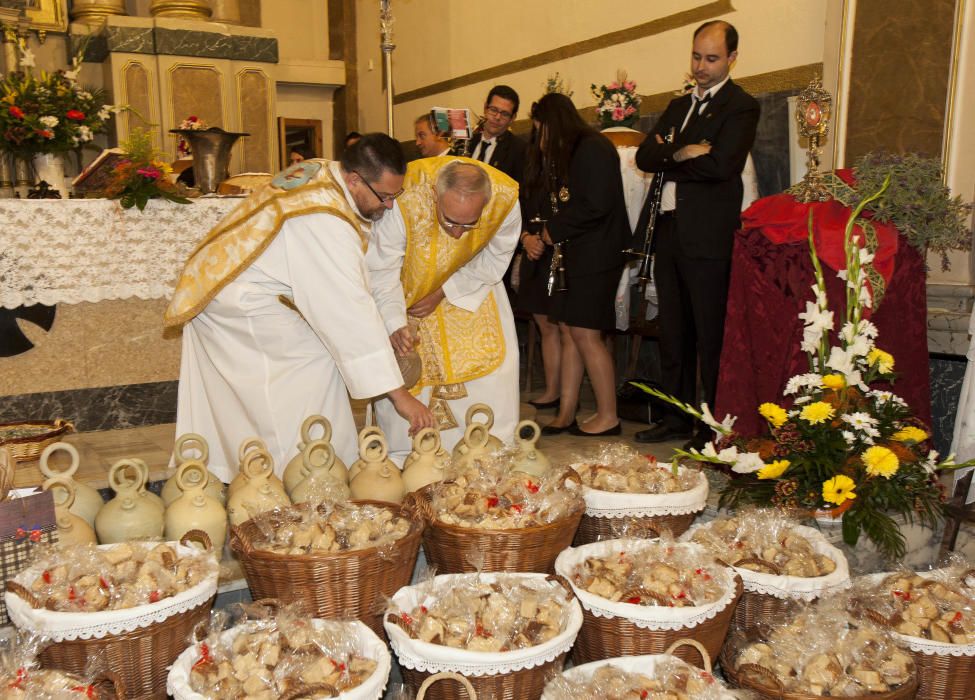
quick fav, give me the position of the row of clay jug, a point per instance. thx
(478, 442)
(316, 473)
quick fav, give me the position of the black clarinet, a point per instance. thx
(645, 255)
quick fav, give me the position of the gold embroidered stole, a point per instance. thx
(234, 243)
(455, 345)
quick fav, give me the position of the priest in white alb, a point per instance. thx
(278, 321)
(436, 264)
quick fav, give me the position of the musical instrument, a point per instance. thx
(557, 281)
(645, 255)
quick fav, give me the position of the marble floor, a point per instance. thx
(153, 444)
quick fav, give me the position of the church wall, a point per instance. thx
(462, 49)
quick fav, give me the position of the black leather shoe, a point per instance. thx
(541, 405)
(661, 433)
(558, 430)
(615, 430)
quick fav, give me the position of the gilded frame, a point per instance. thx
(48, 15)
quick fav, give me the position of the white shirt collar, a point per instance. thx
(336, 169)
(713, 90)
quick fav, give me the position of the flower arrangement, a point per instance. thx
(142, 175)
(49, 112)
(842, 449)
(191, 123)
(617, 104)
(556, 83)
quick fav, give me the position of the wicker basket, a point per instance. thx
(469, 692)
(593, 529)
(525, 550)
(334, 584)
(522, 684)
(764, 684)
(140, 657)
(24, 449)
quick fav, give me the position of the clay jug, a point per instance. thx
(259, 493)
(356, 466)
(87, 501)
(475, 445)
(185, 444)
(295, 472)
(379, 479)
(426, 463)
(493, 444)
(144, 492)
(322, 478)
(128, 516)
(72, 529)
(195, 509)
(246, 447)
(529, 459)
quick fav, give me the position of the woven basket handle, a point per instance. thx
(643, 593)
(239, 543)
(198, 536)
(271, 605)
(307, 691)
(422, 692)
(419, 507)
(19, 590)
(562, 581)
(118, 685)
(764, 673)
(572, 475)
(876, 616)
(759, 562)
(697, 645)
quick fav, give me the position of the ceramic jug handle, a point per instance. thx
(252, 458)
(536, 432)
(117, 472)
(427, 441)
(312, 421)
(187, 468)
(46, 469)
(480, 408)
(143, 471)
(60, 484)
(191, 441)
(374, 449)
(313, 448)
(476, 436)
(248, 446)
(368, 432)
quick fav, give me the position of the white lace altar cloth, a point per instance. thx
(70, 251)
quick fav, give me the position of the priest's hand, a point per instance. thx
(411, 410)
(427, 305)
(403, 341)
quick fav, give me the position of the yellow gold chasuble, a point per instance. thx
(233, 244)
(455, 345)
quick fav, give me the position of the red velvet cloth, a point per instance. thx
(771, 277)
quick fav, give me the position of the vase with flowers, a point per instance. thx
(142, 175)
(45, 115)
(617, 104)
(836, 448)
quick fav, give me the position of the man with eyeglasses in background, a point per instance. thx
(493, 143)
(436, 264)
(277, 315)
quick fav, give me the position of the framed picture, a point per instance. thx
(44, 15)
(299, 137)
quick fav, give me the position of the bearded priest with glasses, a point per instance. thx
(436, 264)
(277, 317)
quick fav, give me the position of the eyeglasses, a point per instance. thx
(383, 198)
(495, 112)
(448, 224)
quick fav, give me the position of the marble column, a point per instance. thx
(11, 58)
(226, 11)
(181, 9)
(95, 11)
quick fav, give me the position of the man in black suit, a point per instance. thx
(699, 146)
(494, 143)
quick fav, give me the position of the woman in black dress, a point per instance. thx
(576, 170)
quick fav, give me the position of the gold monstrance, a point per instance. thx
(813, 112)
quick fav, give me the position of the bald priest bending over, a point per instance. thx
(278, 320)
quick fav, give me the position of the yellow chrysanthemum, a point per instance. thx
(839, 489)
(817, 412)
(883, 360)
(773, 470)
(774, 414)
(834, 381)
(880, 461)
(910, 434)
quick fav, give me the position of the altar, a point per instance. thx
(99, 354)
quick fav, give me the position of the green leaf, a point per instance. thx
(851, 529)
